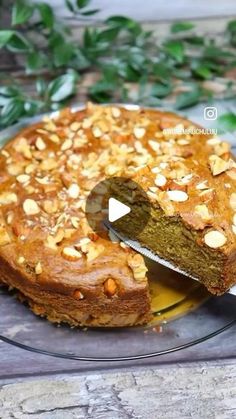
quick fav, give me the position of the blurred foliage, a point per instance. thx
(120, 50)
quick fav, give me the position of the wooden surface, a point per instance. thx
(202, 391)
(157, 10)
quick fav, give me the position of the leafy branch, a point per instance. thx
(181, 70)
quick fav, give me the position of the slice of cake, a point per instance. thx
(192, 189)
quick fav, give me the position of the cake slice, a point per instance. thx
(192, 190)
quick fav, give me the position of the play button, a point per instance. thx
(119, 201)
(116, 210)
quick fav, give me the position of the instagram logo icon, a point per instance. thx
(210, 113)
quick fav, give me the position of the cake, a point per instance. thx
(49, 253)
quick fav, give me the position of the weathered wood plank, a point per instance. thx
(199, 391)
(156, 10)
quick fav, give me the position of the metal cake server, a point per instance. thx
(153, 256)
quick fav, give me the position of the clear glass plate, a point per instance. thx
(185, 315)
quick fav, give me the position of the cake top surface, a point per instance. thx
(48, 170)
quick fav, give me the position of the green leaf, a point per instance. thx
(82, 3)
(32, 107)
(63, 87)
(11, 112)
(35, 61)
(137, 59)
(227, 122)
(202, 71)
(47, 14)
(123, 22)
(102, 91)
(214, 52)
(161, 90)
(41, 87)
(9, 91)
(5, 37)
(108, 35)
(175, 49)
(70, 6)
(4, 100)
(187, 99)
(162, 72)
(81, 62)
(21, 12)
(90, 12)
(195, 40)
(18, 43)
(62, 54)
(181, 26)
(231, 27)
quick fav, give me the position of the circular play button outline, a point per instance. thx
(121, 202)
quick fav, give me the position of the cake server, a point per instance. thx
(135, 245)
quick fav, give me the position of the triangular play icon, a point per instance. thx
(116, 209)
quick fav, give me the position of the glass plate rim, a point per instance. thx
(12, 130)
(119, 358)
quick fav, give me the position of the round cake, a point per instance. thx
(48, 251)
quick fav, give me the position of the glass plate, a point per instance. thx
(185, 315)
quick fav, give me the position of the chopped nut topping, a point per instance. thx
(50, 206)
(116, 113)
(24, 148)
(97, 132)
(4, 237)
(160, 180)
(40, 144)
(234, 219)
(86, 123)
(14, 169)
(71, 254)
(78, 294)
(21, 260)
(54, 138)
(218, 165)
(38, 268)
(49, 164)
(183, 141)
(94, 250)
(7, 198)
(177, 196)
(110, 287)
(233, 201)
(139, 132)
(74, 191)
(75, 222)
(203, 212)
(202, 185)
(136, 263)
(215, 239)
(155, 146)
(30, 169)
(75, 126)
(222, 148)
(66, 145)
(53, 241)
(23, 178)
(214, 141)
(156, 170)
(31, 207)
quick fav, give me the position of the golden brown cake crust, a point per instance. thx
(48, 251)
